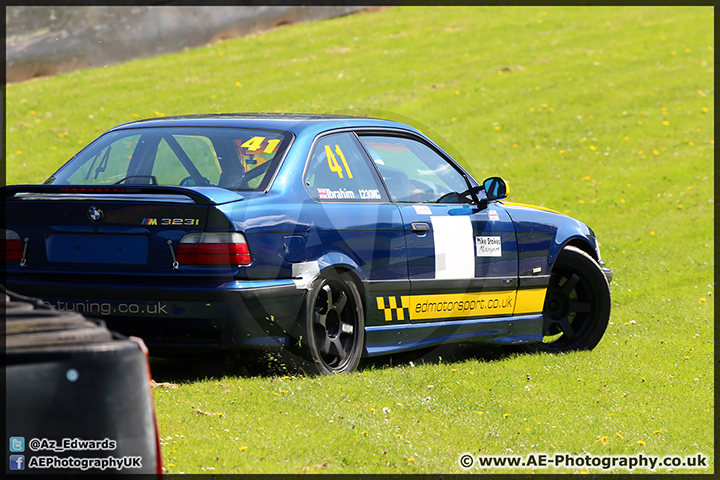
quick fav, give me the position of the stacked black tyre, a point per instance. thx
(78, 396)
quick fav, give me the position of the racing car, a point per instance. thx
(337, 237)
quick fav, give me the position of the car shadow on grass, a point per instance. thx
(443, 354)
(190, 368)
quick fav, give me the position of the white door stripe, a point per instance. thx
(454, 248)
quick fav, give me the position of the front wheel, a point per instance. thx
(577, 304)
(333, 325)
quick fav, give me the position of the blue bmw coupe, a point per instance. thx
(338, 237)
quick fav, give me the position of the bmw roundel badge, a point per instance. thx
(95, 214)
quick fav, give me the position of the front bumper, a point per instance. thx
(212, 313)
(608, 273)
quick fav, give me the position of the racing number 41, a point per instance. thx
(333, 163)
(256, 143)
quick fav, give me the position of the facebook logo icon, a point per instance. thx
(17, 462)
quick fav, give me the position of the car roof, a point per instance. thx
(292, 122)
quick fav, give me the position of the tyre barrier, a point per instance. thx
(78, 396)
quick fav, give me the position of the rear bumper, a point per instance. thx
(226, 314)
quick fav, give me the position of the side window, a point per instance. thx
(415, 173)
(338, 170)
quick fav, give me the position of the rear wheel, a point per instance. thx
(577, 304)
(334, 325)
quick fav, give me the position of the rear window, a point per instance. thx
(233, 158)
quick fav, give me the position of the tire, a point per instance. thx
(333, 325)
(71, 377)
(577, 304)
(30, 324)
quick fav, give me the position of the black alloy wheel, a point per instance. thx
(577, 304)
(334, 324)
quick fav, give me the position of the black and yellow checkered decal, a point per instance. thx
(462, 305)
(395, 307)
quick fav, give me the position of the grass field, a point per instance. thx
(605, 113)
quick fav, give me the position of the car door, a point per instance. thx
(353, 222)
(462, 257)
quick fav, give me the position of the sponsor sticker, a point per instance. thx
(460, 305)
(422, 209)
(493, 215)
(488, 246)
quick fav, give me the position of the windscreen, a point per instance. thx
(233, 158)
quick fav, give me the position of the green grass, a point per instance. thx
(604, 113)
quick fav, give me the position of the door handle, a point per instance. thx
(420, 227)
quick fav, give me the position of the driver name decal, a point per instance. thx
(330, 194)
(345, 194)
(488, 246)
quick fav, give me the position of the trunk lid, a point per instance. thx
(110, 229)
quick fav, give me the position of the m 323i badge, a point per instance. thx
(178, 222)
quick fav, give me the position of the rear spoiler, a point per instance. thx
(199, 195)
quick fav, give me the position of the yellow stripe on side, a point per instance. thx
(463, 305)
(515, 204)
(459, 305)
(530, 301)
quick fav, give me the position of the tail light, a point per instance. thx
(213, 248)
(11, 246)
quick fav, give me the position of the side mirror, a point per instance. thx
(495, 188)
